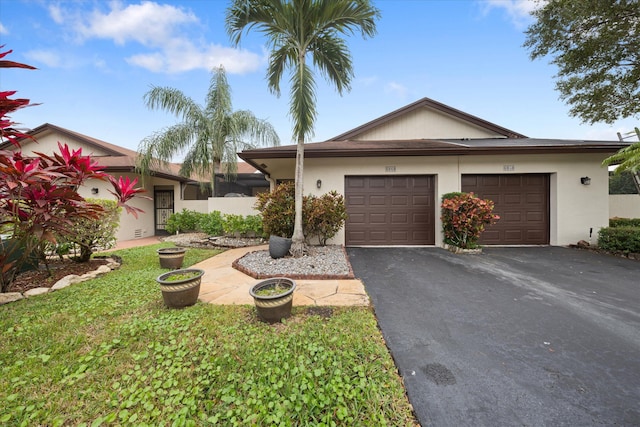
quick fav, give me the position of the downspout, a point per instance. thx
(272, 182)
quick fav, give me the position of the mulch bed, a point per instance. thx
(41, 278)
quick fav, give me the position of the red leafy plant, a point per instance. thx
(39, 195)
(464, 218)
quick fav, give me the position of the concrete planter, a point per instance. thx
(171, 257)
(180, 288)
(273, 298)
(279, 246)
(457, 250)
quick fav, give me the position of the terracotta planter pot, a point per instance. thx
(178, 291)
(279, 246)
(171, 257)
(273, 298)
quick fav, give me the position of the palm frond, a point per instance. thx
(627, 158)
(157, 150)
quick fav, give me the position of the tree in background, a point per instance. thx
(296, 29)
(622, 183)
(596, 46)
(211, 135)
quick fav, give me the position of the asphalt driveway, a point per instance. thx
(515, 336)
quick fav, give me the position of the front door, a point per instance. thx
(163, 201)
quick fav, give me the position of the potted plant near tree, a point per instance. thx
(273, 298)
(180, 288)
(464, 218)
(171, 257)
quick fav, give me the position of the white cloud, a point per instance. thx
(3, 29)
(57, 14)
(47, 57)
(162, 29)
(396, 89)
(519, 11)
(148, 23)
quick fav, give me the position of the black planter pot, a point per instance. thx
(181, 292)
(279, 246)
(273, 305)
(171, 257)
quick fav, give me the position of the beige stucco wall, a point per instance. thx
(130, 226)
(47, 143)
(426, 123)
(574, 208)
(233, 205)
(624, 206)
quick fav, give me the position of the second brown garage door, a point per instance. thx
(521, 200)
(389, 210)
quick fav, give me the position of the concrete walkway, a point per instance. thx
(223, 284)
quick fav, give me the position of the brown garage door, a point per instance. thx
(522, 201)
(389, 210)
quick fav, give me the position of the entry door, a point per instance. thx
(163, 201)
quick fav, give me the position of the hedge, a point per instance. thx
(624, 222)
(620, 239)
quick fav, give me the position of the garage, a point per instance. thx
(521, 200)
(390, 210)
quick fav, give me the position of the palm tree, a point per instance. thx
(211, 135)
(295, 29)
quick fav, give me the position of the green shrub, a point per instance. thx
(233, 224)
(620, 239)
(212, 223)
(253, 225)
(323, 216)
(278, 210)
(624, 222)
(184, 221)
(90, 234)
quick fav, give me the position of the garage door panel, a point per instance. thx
(521, 200)
(377, 218)
(512, 199)
(400, 218)
(400, 201)
(397, 210)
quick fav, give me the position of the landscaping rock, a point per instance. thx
(36, 291)
(66, 281)
(103, 269)
(10, 297)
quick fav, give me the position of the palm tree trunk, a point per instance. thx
(297, 240)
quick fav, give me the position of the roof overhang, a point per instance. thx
(425, 147)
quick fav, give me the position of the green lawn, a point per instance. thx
(107, 352)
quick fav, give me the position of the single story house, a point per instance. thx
(170, 191)
(394, 170)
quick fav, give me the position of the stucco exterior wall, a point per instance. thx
(624, 206)
(575, 209)
(47, 143)
(130, 226)
(425, 123)
(233, 205)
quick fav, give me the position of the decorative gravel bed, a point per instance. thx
(321, 262)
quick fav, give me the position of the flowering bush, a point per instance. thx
(38, 195)
(464, 218)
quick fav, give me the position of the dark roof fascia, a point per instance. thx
(430, 103)
(455, 149)
(132, 170)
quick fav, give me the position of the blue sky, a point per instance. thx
(96, 60)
